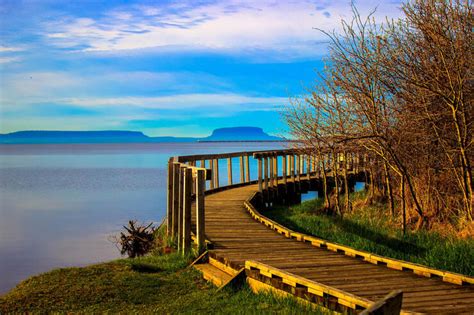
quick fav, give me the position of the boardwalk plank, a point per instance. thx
(238, 238)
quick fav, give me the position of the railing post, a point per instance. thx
(357, 163)
(265, 174)
(169, 203)
(247, 168)
(200, 212)
(292, 167)
(193, 187)
(283, 168)
(260, 186)
(241, 161)
(216, 173)
(181, 208)
(187, 192)
(275, 167)
(270, 166)
(229, 170)
(212, 181)
(275, 175)
(308, 167)
(298, 167)
(175, 214)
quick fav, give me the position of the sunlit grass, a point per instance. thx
(151, 284)
(371, 229)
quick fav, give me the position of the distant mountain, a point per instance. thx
(240, 134)
(114, 136)
(46, 136)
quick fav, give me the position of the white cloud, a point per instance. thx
(4, 49)
(9, 59)
(266, 25)
(8, 54)
(114, 113)
(182, 101)
(52, 86)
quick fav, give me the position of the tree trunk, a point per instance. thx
(327, 202)
(388, 183)
(335, 163)
(346, 185)
(403, 203)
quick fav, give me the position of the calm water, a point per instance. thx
(59, 204)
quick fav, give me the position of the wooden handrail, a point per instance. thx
(187, 182)
(256, 270)
(375, 259)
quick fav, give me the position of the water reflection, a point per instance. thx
(314, 194)
(59, 203)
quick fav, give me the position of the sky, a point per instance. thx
(178, 68)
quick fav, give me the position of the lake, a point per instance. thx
(59, 204)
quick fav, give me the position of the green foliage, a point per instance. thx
(148, 284)
(372, 230)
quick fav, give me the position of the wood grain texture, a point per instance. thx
(239, 238)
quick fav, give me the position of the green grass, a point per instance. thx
(371, 229)
(151, 284)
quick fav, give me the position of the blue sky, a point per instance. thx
(178, 68)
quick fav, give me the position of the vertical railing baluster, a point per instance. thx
(357, 161)
(270, 168)
(187, 192)
(193, 187)
(241, 162)
(275, 174)
(275, 167)
(247, 168)
(229, 170)
(200, 210)
(308, 167)
(216, 171)
(265, 174)
(169, 199)
(292, 167)
(211, 166)
(298, 167)
(175, 214)
(181, 208)
(283, 168)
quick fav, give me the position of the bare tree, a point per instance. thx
(403, 91)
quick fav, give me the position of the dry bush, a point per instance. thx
(137, 240)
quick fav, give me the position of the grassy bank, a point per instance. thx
(153, 284)
(369, 228)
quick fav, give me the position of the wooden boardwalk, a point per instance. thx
(237, 238)
(248, 246)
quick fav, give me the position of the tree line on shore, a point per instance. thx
(401, 90)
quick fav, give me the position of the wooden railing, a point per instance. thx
(188, 183)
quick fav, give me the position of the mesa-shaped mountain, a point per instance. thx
(240, 134)
(50, 136)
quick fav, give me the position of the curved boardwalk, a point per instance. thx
(237, 237)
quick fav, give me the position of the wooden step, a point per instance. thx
(219, 265)
(213, 274)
